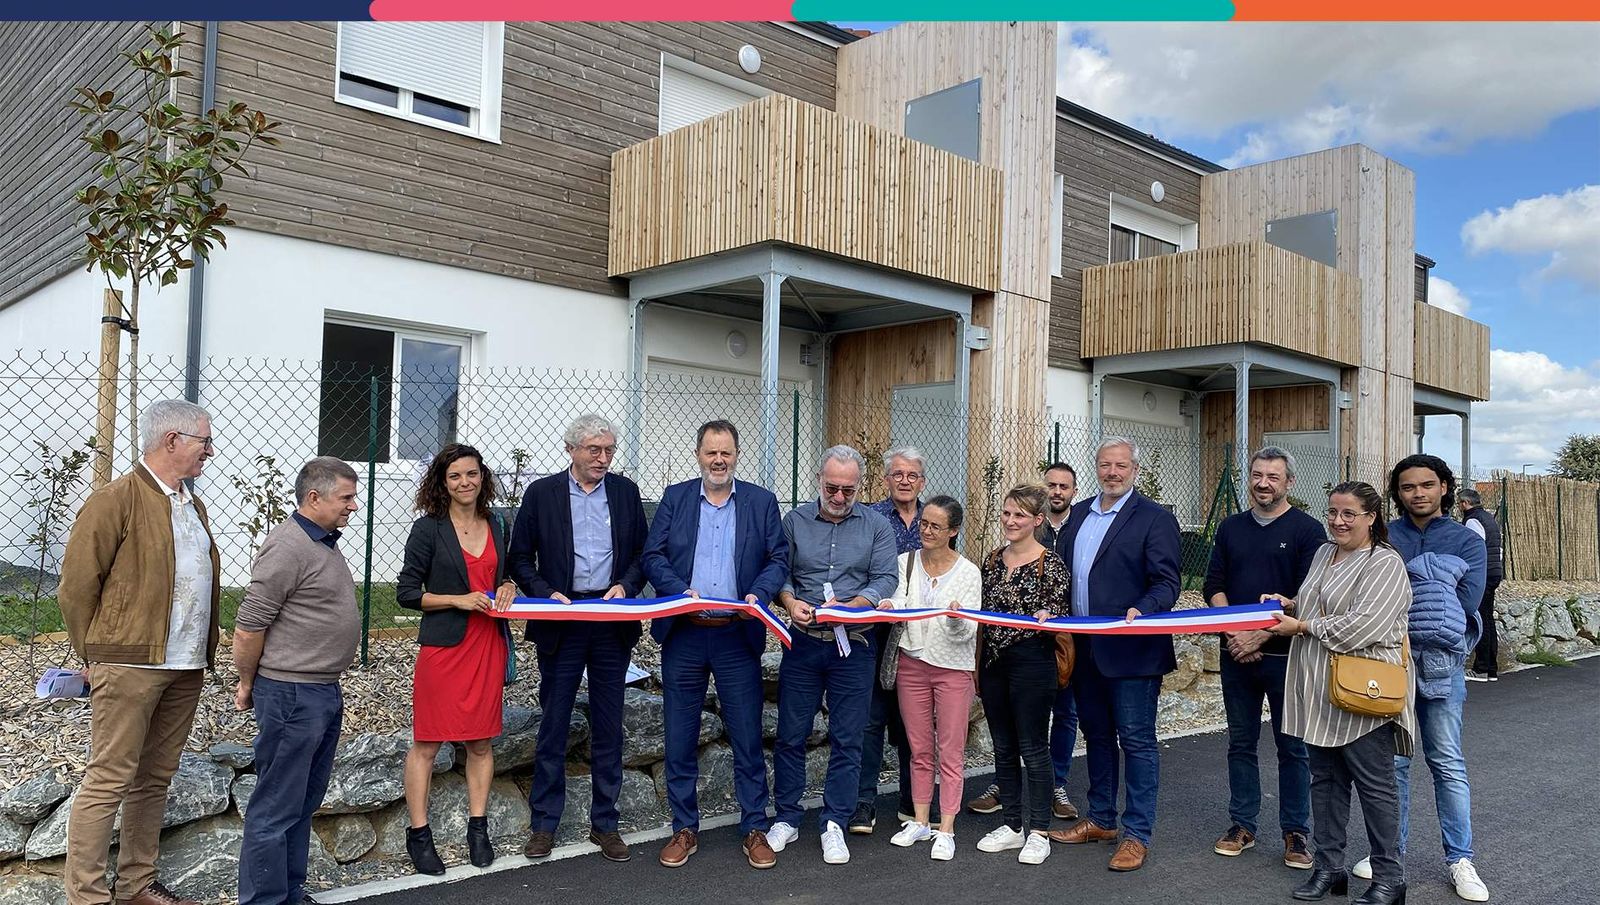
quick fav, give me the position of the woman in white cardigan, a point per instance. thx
(932, 670)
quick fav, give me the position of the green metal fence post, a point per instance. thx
(372, 475)
(794, 453)
(1504, 517)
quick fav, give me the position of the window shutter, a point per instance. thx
(689, 98)
(439, 59)
(1141, 222)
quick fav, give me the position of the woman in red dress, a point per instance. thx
(454, 573)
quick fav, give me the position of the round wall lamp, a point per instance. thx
(1149, 397)
(1157, 191)
(750, 59)
(737, 344)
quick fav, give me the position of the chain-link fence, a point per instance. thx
(268, 417)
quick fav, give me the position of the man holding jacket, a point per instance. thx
(718, 538)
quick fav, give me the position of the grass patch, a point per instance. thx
(21, 619)
(1542, 657)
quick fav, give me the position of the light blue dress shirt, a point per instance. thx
(1087, 547)
(714, 574)
(591, 536)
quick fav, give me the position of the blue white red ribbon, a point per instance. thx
(1242, 617)
(629, 609)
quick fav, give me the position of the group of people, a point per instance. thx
(141, 588)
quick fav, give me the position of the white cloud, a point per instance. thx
(1566, 227)
(1535, 404)
(1297, 87)
(1444, 294)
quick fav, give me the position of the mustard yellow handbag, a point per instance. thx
(1369, 687)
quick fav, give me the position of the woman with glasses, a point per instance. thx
(455, 573)
(929, 666)
(1017, 673)
(1355, 602)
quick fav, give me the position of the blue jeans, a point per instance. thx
(1243, 687)
(1439, 723)
(811, 668)
(1063, 733)
(581, 645)
(690, 656)
(297, 734)
(1119, 714)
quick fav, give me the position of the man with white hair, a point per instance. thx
(139, 593)
(1122, 550)
(840, 553)
(905, 474)
(579, 536)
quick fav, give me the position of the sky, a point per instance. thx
(1499, 122)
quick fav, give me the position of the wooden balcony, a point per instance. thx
(780, 170)
(1248, 292)
(1452, 352)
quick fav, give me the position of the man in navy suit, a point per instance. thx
(579, 536)
(717, 538)
(1122, 549)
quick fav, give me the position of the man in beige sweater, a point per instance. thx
(295, 634)
(139, 591)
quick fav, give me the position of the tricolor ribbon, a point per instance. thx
(628, 609)
(1178, 622)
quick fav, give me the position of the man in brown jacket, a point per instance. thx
(139, 592)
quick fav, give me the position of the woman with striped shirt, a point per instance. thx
(1354, 601)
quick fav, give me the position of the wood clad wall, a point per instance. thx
(1452, 352)
(864, 367)
(1243, 292)
(1094, 166)
(535, 206)
(1272, 410)
(1401, 274)
(780, 170)
(41, 234)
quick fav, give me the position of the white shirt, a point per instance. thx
(190, 621)
(1476, 527)
(942, 642)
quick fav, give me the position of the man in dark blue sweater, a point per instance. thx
(1267, 549)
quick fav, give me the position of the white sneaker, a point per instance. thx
(1465, 878)
(944, 846)
(781, 835)
(834, 851)
(911, 833)
(1363, 869)
(1001, 838)
(1035, 850)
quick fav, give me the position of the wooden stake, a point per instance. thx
(106, 412)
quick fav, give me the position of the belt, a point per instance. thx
(825, 633)
(710, 621)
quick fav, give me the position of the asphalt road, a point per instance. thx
(1531, 742)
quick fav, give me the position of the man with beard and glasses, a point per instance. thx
(1061, 485)
(1265, 550)
(718, 538)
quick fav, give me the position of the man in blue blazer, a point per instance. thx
(1122, 549)
(718, 538)
(578, 536)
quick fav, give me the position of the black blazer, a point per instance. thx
(434, 563)
(541, 559)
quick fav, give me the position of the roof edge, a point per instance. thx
(1134, 136)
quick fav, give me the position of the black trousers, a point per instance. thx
(1368, 764)
(1488, 656)
(1018, 692)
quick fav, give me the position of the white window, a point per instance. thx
(443, 74)
(391, 392)
(691, 92)
(1058, 204)
(1139, 231)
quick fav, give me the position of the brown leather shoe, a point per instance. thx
(1085, 830)
(987, 803)
(1130, 855)
(1061, 806)
(1296, 853)
(156, 894)
(678, 849)
(1234, 842)
(611, 845)
(758, 852)
(539, 845)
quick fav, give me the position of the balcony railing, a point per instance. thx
(781, 170)
(1452, 352)
(1246, 292)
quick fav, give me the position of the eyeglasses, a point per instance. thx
(1344, 515)
(207, 442)
(595, 452)
(930, 526)
(835, 490)
(905, 475)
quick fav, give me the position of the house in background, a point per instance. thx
(905, 222)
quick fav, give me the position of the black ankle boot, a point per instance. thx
(478, 845)
(1321, 883)
(1383, 894)
(419, 846)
